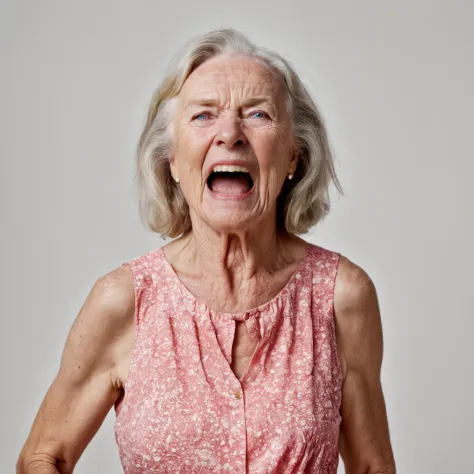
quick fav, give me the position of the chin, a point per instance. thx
(222, 221)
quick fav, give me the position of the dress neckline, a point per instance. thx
(242, 314)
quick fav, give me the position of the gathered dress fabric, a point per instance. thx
(184, 410)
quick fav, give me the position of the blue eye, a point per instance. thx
(199, 115)
(259, 112)
(253, 115)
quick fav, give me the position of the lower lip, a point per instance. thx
(231, 197)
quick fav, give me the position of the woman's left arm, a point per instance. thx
(364, 441)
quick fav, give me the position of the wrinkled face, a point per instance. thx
(232, 144)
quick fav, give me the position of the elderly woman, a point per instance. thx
(238, 346)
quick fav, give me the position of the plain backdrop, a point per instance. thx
(394, 83)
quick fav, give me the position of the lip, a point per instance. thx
(244, 163)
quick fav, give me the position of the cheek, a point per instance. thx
(198, 136)
(191, 150)
(272, 152)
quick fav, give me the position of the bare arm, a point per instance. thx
(85, 387)
(364, 441)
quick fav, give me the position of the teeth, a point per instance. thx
(231, 168)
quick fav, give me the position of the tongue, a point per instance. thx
(230, 184)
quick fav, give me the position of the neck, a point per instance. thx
(241, 253)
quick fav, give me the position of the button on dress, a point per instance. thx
(185, 411)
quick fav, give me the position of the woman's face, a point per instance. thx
(231, 111)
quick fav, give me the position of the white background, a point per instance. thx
(394, 83)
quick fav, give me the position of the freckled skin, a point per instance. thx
(234, 258)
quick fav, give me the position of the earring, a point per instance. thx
(290, 176)
(176, 179)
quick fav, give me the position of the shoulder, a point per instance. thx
(353, 286)
(357, 317)
(99, 328)
(110, 305)
(114, 291)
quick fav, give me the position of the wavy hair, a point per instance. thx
(302, 202)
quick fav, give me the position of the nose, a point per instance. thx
(230, 133)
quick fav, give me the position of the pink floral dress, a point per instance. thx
(185, 411)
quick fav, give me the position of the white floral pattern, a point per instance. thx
(185, 411)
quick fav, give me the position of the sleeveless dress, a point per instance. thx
(185, 411)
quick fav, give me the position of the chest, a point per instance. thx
(184, 405)
(243, 349)
(236, 297)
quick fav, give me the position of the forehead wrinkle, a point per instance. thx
(206, 83)
(248, 95)
(244, 82)
(226, 71)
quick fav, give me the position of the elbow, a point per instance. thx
(19, 466)
(37, 464)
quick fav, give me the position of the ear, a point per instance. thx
(173, 167)
(293, 162)
(173, 164)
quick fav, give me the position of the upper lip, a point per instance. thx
(244, 163)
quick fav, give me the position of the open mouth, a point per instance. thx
(230, 182)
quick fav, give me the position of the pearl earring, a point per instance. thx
(290, 176)
(176, 179)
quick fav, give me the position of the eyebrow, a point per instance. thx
(210, 102)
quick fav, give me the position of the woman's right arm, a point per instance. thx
(86, 386)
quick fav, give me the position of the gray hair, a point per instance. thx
(302, 202)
